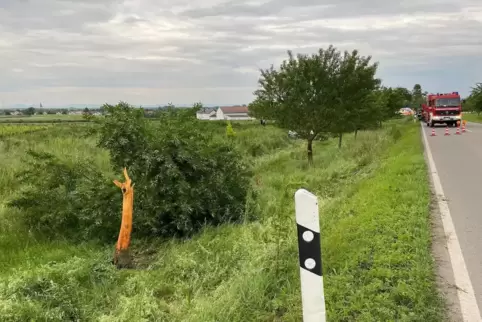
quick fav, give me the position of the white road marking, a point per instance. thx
(465, 290)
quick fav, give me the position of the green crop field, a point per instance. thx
(41, 119)
(374, 221)
(8, 130)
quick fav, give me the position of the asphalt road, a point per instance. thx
(458, 159)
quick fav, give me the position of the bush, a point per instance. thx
(229, 130)
(184, 180)
(72, 199)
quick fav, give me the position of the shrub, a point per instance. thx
(184, 179)
(229, 130)
(72, 199)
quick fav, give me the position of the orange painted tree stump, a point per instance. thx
(122, 257)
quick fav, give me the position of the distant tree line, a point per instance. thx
(50, 111)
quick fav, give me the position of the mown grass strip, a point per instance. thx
(378, 261)
(472, 117)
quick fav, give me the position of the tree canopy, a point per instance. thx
(418, 97)
(319, 95)
(475, 98)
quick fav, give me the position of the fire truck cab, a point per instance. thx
(442, 108)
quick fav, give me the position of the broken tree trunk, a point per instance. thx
(122, 257)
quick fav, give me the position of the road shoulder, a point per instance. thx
(444, 268)
(444, 273)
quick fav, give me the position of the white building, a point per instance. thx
(233, 113)
(206, 113)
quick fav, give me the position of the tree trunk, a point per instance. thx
(340, 138)
(356, 132)
(310, 152)
(122, 257)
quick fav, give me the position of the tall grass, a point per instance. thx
(375, 241)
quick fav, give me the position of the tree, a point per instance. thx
(197, 107)
(30, 111)
(476, 98)
(355, 81)
(372, 111)
(261, 109)
(389, 101)
(301, 95)
(418, 97)
(405, 96)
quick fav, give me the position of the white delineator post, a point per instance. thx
(309, 246)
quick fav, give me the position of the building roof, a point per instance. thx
(207, 110)
(234, 109)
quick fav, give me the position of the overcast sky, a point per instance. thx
(157, 51)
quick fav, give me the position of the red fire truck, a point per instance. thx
(442, 108)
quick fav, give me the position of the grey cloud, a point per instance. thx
(50, 14)
(323, 8)
(125, 44)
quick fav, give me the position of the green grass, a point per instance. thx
(41, 119)
(472, 117)
(15, 129)
(374, 208)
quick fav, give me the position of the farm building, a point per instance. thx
(206, 113)
(233, 113)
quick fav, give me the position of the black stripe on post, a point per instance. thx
(309, 249)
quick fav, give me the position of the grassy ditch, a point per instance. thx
(375, 239)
